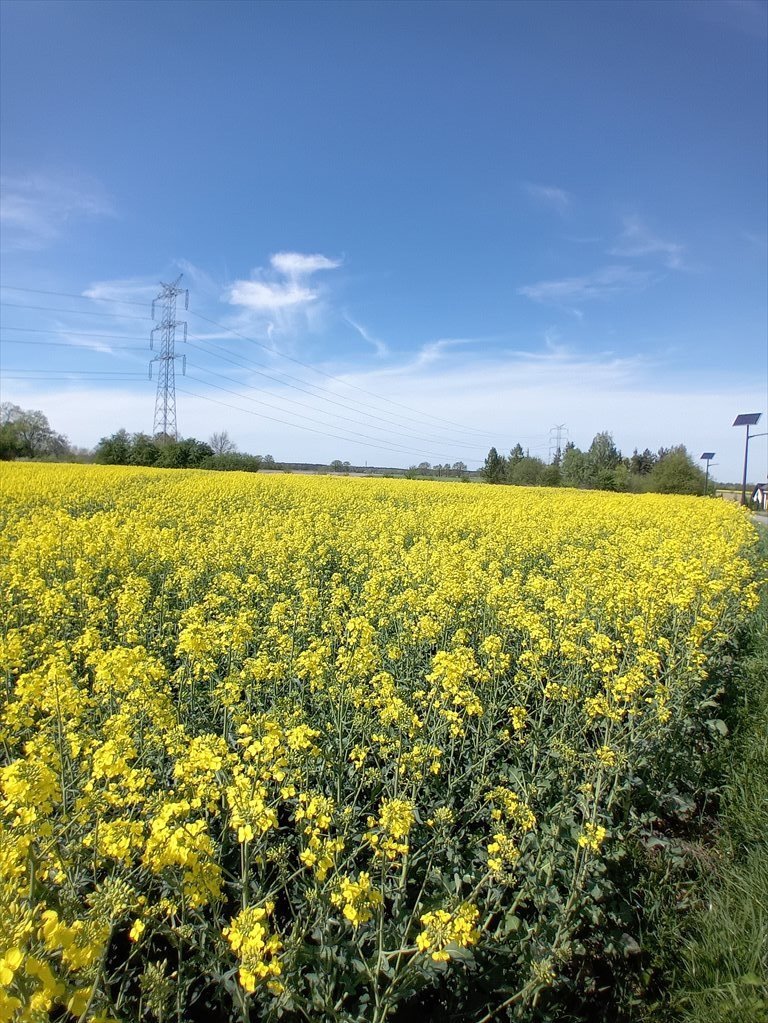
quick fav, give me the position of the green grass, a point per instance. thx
(719, 974)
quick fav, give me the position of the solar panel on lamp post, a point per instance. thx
(707, 456)
(746, 419)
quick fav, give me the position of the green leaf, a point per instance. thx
(752, 980)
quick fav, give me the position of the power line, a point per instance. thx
(82, 372)
(73, 333)
(164, 385)
(62, 379)
(69, 294)
(66, 344)
(76, 312)
(354, 435)
(240, 360)
(284, 383)
(63, 376)
(297, 426)
(208, 350)
(329, 376)
(340, 380)
(332, 401)
(237, 334)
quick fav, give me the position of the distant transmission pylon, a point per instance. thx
(164, 428)
(556, 435)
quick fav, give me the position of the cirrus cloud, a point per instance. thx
(549, 195)
(283, 298)
(36, 208)
(265, 297)
(600, 284)
(298, 264)
(638, 240)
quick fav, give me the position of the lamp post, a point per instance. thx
(747, 419)
(707, 456)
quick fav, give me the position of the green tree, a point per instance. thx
(602, 459)
(115, 449)
(143, 451)
(494, 467)
(574, 469)
(183, 454)
(516, 454)
(10, 440)
(676, 473)
(235, 461)
(526, 471)
(642, 464)
(621, 477)
(26, 433)
(551, 477)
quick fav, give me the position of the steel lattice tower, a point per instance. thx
(164, 428)
(556, 435)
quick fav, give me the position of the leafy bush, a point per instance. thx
(233, 462)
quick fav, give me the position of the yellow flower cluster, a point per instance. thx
(441, 930)
(218, 687)
(358, 899)
(256, 949)
(387, 834)
(592, 837)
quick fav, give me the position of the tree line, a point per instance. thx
(601, 467)
(219, 452)
(26, 433)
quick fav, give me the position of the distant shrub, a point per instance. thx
(183, 454)
(232, 462)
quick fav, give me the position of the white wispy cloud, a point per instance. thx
(299, 264)
(264, 295)
(121, 295)
(91, 344)
(426, 355)
(600, 284)
(199, 279)
(433, 351)
(637, 239)
(125, 289)
(380, 347)
(556, 198)
(261, 296)
(284, 300)
(35, 209)
(553, 343)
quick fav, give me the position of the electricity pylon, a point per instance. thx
(164, 429)
(556, 435)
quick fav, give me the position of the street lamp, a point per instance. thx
(747, 419)
(707, 456)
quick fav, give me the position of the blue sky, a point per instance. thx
(502, 216)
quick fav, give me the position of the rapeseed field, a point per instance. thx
(322, 749)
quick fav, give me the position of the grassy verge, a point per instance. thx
(717, 968)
